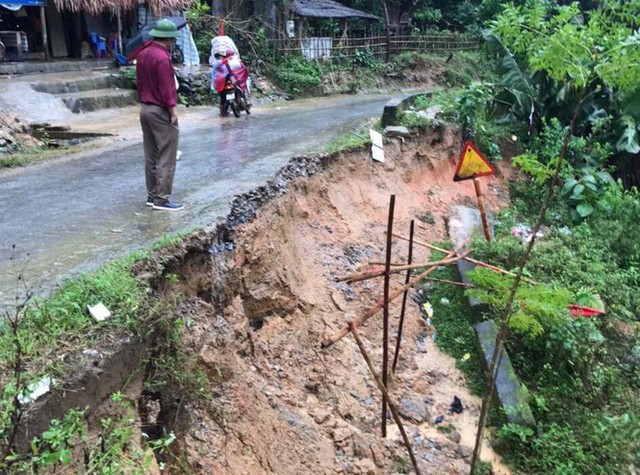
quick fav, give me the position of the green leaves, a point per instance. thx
(628, 141)
(572, 47)
(588, 191)
(537, 308)
(584, 209)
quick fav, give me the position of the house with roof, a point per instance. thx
(44, 29)
(322, 25)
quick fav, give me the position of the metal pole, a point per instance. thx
(45, 37)
(483, 213)
(385, 309)
(404, 299)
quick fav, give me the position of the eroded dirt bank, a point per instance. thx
(282, 404)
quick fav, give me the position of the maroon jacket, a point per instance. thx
(155, 76)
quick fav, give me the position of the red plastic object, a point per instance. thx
(580, 311)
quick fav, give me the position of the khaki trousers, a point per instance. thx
(160, 139)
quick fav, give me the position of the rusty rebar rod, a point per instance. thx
(385, 312)
(385, 395)
(452, 282)
(395, 269)
(466, 258)
(404, 299)
(344, 331)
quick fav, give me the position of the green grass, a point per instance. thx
(31, 156)
(62, 323)
(347, 140)
(168, 240)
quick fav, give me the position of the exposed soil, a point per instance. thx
(283, 404)
(258, 304)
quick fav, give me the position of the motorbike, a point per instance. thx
(234, 98)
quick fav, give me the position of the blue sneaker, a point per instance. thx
(150, 201)
(168, 206)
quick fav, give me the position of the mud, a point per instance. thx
(260, 295)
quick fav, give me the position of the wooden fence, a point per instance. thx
(331, 48)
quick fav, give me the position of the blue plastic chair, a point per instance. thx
(99, 45)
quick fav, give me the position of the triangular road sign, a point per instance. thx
(472, 164)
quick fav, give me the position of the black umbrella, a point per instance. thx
(143, 35)
(179, 21)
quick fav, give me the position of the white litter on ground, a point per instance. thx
(99, 312)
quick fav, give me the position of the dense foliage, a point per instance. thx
(561, 66)
(456, 15)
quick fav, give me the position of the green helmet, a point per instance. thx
(164, 29)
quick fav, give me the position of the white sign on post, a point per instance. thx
(377, 152)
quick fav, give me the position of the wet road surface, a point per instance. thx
(67, 217)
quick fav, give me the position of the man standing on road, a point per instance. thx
(158, 114)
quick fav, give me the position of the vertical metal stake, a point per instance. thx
(404, 299)
(385, 327)
(483, 213)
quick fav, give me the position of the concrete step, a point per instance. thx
(88, 101)
(57, 66)
(96, 82)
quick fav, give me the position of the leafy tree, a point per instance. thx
(554, 58)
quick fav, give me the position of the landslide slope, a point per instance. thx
(282, 404)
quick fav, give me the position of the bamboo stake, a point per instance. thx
(385, 312)
(404, 300)
(378, 305)
(396, 269)
(466, 258)
(385, 395)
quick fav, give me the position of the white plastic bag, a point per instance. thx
(220, 45)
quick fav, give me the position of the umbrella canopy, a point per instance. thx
(141, 40)
(99, 6)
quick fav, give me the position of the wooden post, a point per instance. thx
(45, 36)
(120, 49)
(387, 55)
(483, 212)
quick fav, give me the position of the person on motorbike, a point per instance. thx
(227, 67)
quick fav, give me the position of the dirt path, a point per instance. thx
(284, 406)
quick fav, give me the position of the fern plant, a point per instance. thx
(537, 308)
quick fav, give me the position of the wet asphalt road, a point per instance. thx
(67, 217)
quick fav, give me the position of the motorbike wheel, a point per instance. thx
(245, 106)
(234, 108)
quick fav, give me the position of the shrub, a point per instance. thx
(296, 75)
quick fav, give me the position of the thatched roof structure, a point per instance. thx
(327, 9)
(98, 6)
